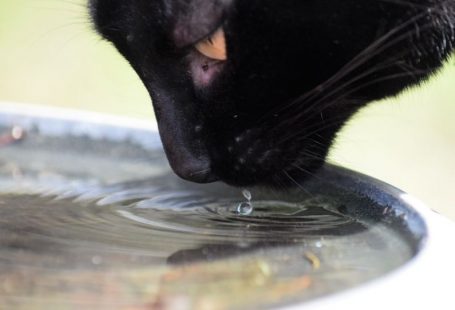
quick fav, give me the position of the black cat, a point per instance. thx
(254, 91)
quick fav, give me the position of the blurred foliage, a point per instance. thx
(50, 55)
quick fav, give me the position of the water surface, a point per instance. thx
(104, 224)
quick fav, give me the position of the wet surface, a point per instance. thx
(92, 222)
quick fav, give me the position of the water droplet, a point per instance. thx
(247, 194)
(244, 208)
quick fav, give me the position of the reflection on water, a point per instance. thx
(105, 225)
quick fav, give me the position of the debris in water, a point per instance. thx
(96, 260)
(17, 133)
(313, 259)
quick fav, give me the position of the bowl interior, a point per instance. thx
(91, 215)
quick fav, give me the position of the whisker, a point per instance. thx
(377, 47)
(306, 171)
(296, 183)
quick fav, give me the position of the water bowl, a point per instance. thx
(91, 216)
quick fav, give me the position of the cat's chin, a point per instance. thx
(203, 70)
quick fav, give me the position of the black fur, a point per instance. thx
(296, 71)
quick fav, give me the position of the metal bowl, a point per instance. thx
(92, 216)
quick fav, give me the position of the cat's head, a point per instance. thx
(254, 91)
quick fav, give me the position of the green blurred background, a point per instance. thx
(49, 55)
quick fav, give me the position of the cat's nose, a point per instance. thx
(181, 126)
(195, 170)
(186, 154)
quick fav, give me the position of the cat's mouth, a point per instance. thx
(207, 59)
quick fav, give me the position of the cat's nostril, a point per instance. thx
(198, 171)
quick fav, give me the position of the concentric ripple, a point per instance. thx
(119, 230)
